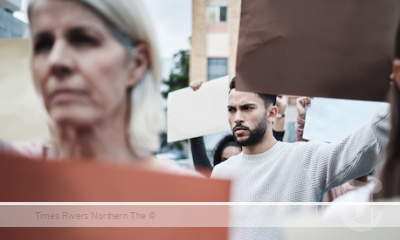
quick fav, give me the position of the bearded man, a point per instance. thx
(271, 171)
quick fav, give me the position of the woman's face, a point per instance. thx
(229, 152)
(82, 71)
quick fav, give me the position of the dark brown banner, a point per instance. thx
(320, 48)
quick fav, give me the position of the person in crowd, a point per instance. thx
(390, 173)
(302, 103)
(389, 176)
(271, 171)
(96, 66)
(387, 188)
(227, 147)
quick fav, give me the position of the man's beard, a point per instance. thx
(256, 134)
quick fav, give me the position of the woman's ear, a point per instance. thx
(396, 72)
(139, 64)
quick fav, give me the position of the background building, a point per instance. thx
(10, 27)
(215, 31)
(214, 38)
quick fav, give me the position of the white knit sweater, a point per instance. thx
(297, 172)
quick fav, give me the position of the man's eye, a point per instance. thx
(43, 45)
(231, 109)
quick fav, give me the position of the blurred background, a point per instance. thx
(197, 40)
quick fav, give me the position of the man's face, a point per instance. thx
(247, 117)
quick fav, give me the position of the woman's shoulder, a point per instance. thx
(26, 149)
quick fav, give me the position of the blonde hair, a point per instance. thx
(130, 24)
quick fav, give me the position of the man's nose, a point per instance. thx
(238, 117)
(60, 60)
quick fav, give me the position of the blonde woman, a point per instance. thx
(97, 69)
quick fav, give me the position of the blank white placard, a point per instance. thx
(331, 120)
(197, 113)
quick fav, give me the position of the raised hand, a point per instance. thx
(302, 104)
(281, 104)
(196, 84)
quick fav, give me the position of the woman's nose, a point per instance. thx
(60, 60)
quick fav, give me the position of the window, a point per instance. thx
(223, 14)
(216, 68)
(217, 14)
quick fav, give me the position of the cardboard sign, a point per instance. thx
(320, 48)
(120, 233)
(22, 115)
(197, 113)
(26, 180)
(331, 120)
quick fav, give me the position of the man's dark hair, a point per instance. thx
(267, 98)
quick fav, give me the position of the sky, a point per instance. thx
(172, 21)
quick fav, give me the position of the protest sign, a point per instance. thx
(66, 183)
(320, 48)
(331, 120)
(197, 113)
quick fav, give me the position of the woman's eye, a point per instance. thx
(83, 41)
(43, 45)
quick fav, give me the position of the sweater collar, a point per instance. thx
(265, 155)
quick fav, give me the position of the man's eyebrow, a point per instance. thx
(230, 106)
(248, 105)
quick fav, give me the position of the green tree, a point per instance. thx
(178, 78)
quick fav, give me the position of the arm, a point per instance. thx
(278, 135)
(8, 148)
(25, 149)
(336, 163)
(278, 129)
(299, 126)
(200, 158)
(199, 154)
(302, 104)
(279, 124)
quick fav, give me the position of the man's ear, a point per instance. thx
(272, 111)
(139, 64)
(396, 72)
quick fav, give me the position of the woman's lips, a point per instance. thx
(60, 96)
